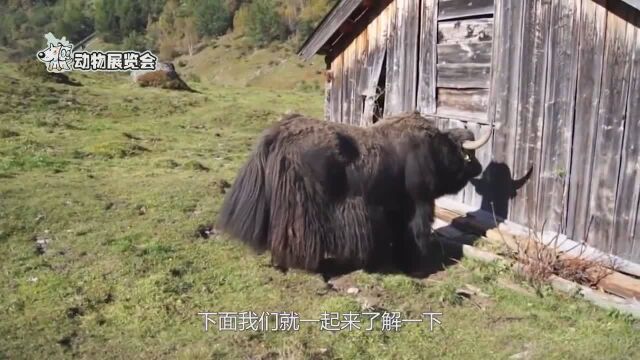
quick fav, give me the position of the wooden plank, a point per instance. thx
(463, 31)
(615, 85)
(452, 9)
(426, 101)
(475, 53)
(336, 89)
(505, 80)
(402, 58)
(392, 102)
(635, 245)
(410, 30)
(327, 95)
(621, 285)
(362, 44)
(347, 83)
(377, 45)
(590, 66)
(472, 101)
(559, 114)
(464, 76)
(628, 194)
(530, 110)
(360, 77)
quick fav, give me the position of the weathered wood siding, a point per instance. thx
(575, 123)
(464, 54)
(464, 48)
(557, 129)
(614, 96)
(593, 19)
(559, 80)
(402, 57)
(355, 73)
(530, 109)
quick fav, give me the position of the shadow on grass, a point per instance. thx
(441, 255)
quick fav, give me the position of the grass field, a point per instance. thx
(105, 190)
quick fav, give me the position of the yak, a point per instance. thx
(313, 190)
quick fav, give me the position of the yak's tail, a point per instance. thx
(245, 211)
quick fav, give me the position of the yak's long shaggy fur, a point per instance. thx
(313, 189)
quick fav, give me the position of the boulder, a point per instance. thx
(164, 76)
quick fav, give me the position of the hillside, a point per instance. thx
(229, 61)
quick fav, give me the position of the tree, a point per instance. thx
(72, 21)
(241, 20)
(116, 19)
(212, 17)
(265, 24)
(167, 29)
(106, 20)
(190, 34)
(130, 16)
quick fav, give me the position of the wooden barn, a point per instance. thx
(558, 80)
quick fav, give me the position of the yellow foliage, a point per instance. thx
(241, 20)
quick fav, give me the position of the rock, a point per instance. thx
(353, 290)
(164, 76)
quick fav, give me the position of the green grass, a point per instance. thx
(117, 180)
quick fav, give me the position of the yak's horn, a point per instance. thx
(476, 144)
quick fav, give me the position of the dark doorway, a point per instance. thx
(378, 110)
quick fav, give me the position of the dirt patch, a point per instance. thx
(6, 133)
(196, 165)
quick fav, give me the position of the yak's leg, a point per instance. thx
(413, 241)
(353, 241)
(421, 224)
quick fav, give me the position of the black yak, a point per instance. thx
(315, 189)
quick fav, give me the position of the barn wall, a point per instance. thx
(575, 124)
(557, 79)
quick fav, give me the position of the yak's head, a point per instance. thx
(454, 154)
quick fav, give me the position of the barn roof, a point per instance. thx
(345, 16)
(339, 21)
